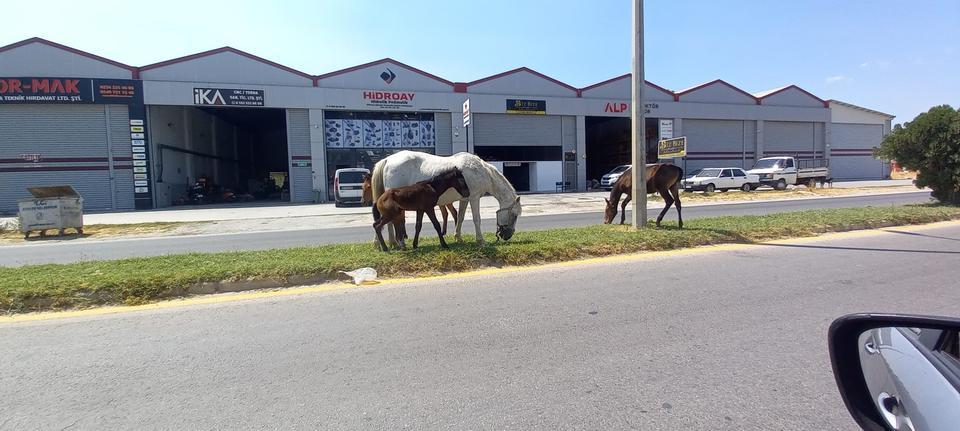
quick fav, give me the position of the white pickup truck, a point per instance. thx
(777, 172)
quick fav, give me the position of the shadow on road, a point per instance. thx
(921, 234)
(886, 250)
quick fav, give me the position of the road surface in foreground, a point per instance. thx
(730, 338)
(67, 251)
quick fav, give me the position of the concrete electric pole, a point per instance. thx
(639, 156)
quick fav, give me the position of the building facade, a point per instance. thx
(137, 137)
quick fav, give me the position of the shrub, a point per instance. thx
(929, 145)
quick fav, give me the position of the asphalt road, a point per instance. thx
(67, 251)
(731, 339)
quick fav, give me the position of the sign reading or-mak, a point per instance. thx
(227, 97)
(670, 148)
(521, 106)
(466, 113)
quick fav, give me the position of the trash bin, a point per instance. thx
(54, 207)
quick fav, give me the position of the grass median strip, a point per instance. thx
(139, 280)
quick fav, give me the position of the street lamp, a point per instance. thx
(639, 156)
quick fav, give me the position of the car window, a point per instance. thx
(351, 177)
(951, 344)
(708, 173)
(739, 173)
(726, 173)
(788, 163)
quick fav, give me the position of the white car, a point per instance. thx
(607, 181)
(723, 179)
(348, 185)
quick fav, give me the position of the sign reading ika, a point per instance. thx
(227, 97)
(388, 99)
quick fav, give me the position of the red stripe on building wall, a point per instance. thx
(65, 160)
(54, 168)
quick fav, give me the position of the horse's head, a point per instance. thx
(367, 196)
(610, 212)
(507, 220)
(460, 184)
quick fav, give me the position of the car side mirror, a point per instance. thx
(898, 372)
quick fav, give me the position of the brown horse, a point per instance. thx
(367, 199)
(662, 178)
(420, 197)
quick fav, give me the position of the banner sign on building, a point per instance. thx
(521, 106)
(227, 97)
(666, 129)
(671, 148)
(348, 129)
(466, 113)
(70, 91)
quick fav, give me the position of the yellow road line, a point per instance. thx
(330, 287)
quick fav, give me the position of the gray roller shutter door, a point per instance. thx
(119, 117)
(72, 142)
(716, 143)
(789, 138)
(569, 138)
(513, 129)
(299, 151)
(443, 126)
(851, 145)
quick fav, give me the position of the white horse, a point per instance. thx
(409, 167)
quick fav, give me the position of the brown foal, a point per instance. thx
(421, 197)
(367, 199)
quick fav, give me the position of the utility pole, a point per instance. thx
(639, 156)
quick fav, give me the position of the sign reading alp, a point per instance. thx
(466, 113)
(671, 148)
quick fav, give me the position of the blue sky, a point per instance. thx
(899, 57)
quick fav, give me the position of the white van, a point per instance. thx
(348, 185)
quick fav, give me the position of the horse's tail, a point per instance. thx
(376, 181)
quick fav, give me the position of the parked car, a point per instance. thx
(607, 181)
(722, 179)
(778, 172)
(348, 185)
(898, 372)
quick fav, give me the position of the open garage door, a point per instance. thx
(236, 154)
(608, 144)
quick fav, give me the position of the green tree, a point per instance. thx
(929, 145)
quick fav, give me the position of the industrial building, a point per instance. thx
(138, 137)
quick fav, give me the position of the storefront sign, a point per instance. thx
(70, 90)
(227, 97)
(388, 99)
(466, 113)
(666, 129)
(521, 106)
(670, 148)
(616, 107)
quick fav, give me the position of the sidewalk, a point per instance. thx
(285, 217)
(533, 204)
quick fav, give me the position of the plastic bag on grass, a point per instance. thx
(362, 275)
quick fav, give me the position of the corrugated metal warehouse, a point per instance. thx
(137, 137)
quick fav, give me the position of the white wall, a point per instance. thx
(845, 114)
(37, 59)
(226, 67)
(545, 175)
(521, 83)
